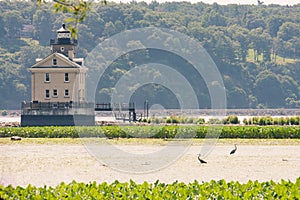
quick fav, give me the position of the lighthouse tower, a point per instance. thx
(58, 87)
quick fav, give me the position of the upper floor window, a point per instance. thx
(66, 77)
(47, 77)
(54, 61)
(47, 94)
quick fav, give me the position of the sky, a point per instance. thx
(224, 2)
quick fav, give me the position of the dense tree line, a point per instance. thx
(256, 48)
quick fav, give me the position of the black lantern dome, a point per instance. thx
(64, 43)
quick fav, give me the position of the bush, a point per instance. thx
(269, 121)
(152, 131)
(177, 190)
(4, 113)
(200, 121)
(168, 120)
(214, 121)
(231, 120)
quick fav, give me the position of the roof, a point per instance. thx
(69, 63)
(63, 29)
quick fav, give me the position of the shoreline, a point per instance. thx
(148, 141)
(51, 164)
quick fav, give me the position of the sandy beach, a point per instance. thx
(51, 164)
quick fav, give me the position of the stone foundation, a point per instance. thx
(57, 120)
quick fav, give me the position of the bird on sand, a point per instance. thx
(233, 150)
(200, 160)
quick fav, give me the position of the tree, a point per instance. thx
(241, 44)
(277, 48)
(13, 23)
(43, 21)
(109, 29)
(78, 10)
(119, 26)
(261, 43)
(86, 39)
(95, 24)
(213, 18)
(268, 90)
(225, 34)
(288, 30)
(237, 98)
(273, 25)
(2, 29)
(289, 86)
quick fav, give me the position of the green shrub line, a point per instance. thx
(259, 120)
(158, 131)
(268, 120)
(176, 190)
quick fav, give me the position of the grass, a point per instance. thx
(279, 59)
(47, 141)
(143, 141)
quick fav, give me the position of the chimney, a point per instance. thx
(71, 54)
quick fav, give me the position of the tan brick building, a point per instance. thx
(60, 77)
(58, 85)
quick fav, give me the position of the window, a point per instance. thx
(47, 95)
(66, 77)
(66, 93)
(55, 93)
(47, 77)
(54, 61)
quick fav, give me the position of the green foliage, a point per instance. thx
(176, 190)
(231, 120)
(77, 9)
(174, 131)
(256, 48)
(177, 120)
(3, 112)
(263, 121)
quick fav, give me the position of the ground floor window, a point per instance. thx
(47, 94)
(66, 93)
(55, 93)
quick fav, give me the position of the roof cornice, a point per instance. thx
(58, 55)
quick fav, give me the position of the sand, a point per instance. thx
(51, 164)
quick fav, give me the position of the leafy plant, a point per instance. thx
(157, 190)
(3, 112)
(157, 131)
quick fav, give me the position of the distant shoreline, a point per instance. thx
(15, 116)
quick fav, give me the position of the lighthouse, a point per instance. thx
(58, 87)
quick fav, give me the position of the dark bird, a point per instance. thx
(233, 150)
(200, 160)
(260, 2)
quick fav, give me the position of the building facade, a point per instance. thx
(58, 85)
(60, 77)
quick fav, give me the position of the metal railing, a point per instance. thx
(115, 107)
(56, 108)
(63, 41)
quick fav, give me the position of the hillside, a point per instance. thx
(256, 48)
